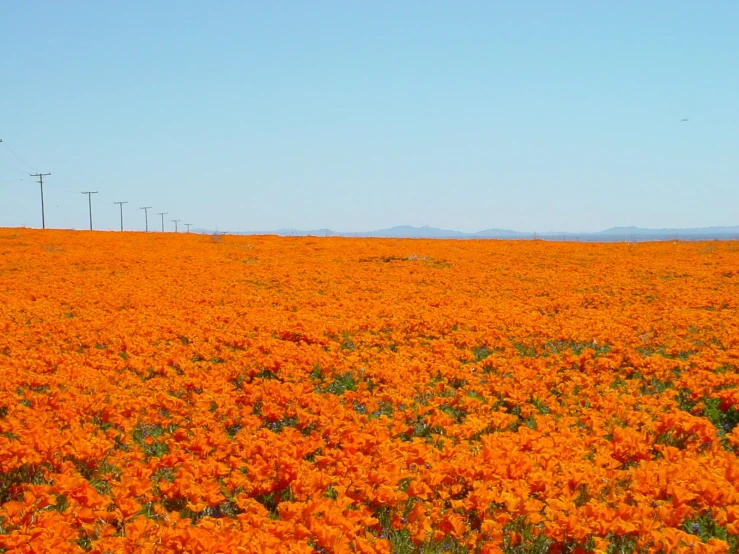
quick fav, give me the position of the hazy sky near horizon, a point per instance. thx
(532, 115)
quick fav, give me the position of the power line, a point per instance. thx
(41, 182)
(10, 166)
(162, 214)
(18, 157)
(146, 216)
(121, 206)
(176, 221)
(89, 194)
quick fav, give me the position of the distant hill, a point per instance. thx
(406, 231)
(614, 234)
(500, 233)
(702, 231)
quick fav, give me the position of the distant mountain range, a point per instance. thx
(614, 234)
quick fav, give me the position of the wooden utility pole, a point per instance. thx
(146, 216)
(188, 226)
(41, 182)
(162, 214)
(89, 194)
(121, 206)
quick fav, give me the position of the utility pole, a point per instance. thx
(89, 194)
(162, 214)
(176, 221)
(188, 226)
(41, 182)
(121, 206)
(146, 216)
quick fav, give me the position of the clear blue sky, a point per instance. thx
(533, 116)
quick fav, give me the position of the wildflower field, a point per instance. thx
(188, 393)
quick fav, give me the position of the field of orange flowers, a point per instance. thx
(188, 393)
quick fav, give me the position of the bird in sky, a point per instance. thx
(684, 120)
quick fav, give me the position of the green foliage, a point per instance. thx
(583, 496)
(228, 509)
(401, 543)
(670, 438)
(648, 351)
(143, 431)
(529, 421)
(347, 343)
(341, 383)
(266, 374)
(623, 544)
(85, 542)
(419, 428)
(577, 347)
(164, 474)
(477, 396)
(525, 351)
(25, 474)
(256, 408)
(276, 426)
(61, 504)
(232, 430)
(238, 381)
(385, 409)
(458, 414)
(481, 352)
(684, 401)
(532, 539)
(724, 420)
(316, 374)
(457, 383)
(618, 383)
(705, 527)
(540, 406)
(311, 456)
(98, 473)
(272, 499)
(654, 386)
